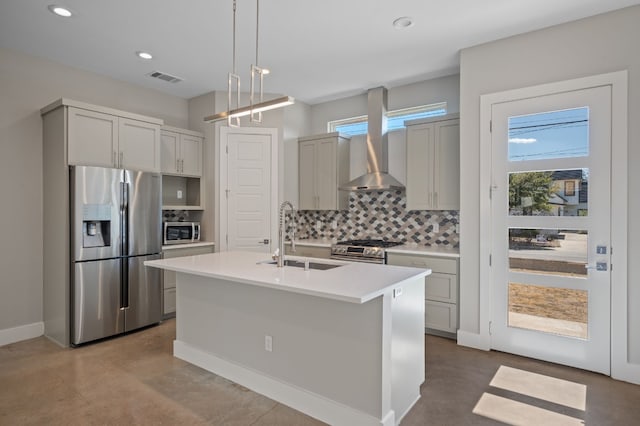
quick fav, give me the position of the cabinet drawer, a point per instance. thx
(168, 279)
(309, 251)
(169, 300)
(441, 316)
(441, 287)
(436, 264)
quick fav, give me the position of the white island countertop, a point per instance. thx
(353, 282)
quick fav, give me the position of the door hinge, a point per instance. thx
(490, 323)
(489, 260)
(490, 126)
(226, 193)
(227, 238)
(226, 148)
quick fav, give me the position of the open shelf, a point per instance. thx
(181, 193)
(182, 207)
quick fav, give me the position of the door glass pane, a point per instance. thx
(553, 310)
(549, 193)
(548, 251)
(556, 134)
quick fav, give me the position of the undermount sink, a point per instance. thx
(299, 264)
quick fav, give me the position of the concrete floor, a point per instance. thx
(134, 379)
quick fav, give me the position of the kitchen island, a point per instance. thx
(344, 345)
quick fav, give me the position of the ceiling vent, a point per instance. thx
(165, 77)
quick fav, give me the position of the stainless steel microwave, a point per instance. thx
(181, 232)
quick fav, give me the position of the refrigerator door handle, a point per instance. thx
(124, 232)
(124, 284)
(124, 218)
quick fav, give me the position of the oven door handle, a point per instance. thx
(357, 259)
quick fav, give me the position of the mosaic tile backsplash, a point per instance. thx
(380, 215)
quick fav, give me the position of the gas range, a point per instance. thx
(369, 250)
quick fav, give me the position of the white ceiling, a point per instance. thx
(316, 50)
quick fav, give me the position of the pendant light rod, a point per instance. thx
(254, 109)
(256, 71)
(257, 28)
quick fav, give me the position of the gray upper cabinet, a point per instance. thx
(323, 165)
(181, 152)
(99, 138)
(433, 163)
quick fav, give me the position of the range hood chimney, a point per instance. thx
(377, 177)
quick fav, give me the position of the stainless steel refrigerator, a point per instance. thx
(115, 226)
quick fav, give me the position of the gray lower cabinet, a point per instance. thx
(309, 251)
(169, 278)
(441, 290)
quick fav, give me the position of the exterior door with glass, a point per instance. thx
(551, 208)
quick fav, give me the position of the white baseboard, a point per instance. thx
(22, 332)
(626, 372)
(474, 340)
(314, 405)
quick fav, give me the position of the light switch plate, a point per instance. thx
(179, 194)
(435, 227)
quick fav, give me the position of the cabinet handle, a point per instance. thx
(121, 159)
(113, 159)
(435, 199)
(181, 166)
(177, 166)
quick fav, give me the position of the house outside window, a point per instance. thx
(395, 119)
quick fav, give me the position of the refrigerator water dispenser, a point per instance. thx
(96, 225)
(96, 233)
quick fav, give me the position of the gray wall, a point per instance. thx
(596, 45)
(26, 85)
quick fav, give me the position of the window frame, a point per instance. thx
(333, 125)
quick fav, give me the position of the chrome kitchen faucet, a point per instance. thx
(279, 255)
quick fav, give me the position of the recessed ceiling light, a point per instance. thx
(60, 11)
(403, 22)
(144, 55)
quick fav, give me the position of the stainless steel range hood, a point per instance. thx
(377, 177)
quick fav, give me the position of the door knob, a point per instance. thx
(599, 266)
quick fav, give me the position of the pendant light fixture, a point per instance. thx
(256, 103)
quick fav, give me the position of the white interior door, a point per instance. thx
(250, 196)
(551, 226)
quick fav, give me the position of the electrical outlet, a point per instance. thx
(268, 343)
(435, 227)
(318, 225)
(334, 225)
(179, 194)
(457, 228)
